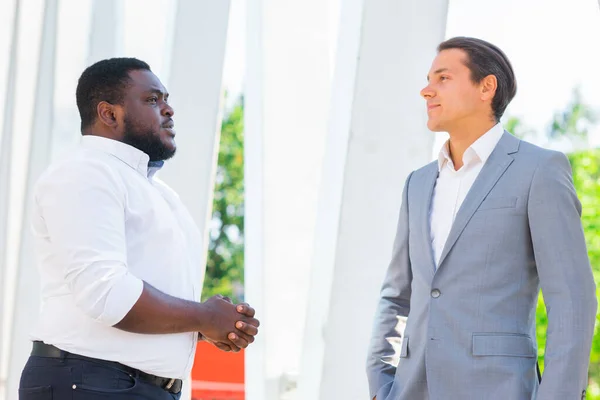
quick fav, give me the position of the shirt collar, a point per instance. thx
(482, 148)
(131, 156)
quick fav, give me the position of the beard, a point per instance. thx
(147, 140)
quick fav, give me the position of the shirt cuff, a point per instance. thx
(121, 299)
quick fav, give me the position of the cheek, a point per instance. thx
(460, 102)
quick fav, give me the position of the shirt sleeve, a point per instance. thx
(83, 209)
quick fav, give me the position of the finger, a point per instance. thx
(244, 308)
(248, 338)
(251, 321)
(248, 329)
(222, 346)
(238, 340)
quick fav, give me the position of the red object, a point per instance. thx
(217, 375)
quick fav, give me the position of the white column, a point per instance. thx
(377, 135)
(195, 84)
(106, 34)
(287, 100)
(26, 304)
(5, 158)
(254, 224)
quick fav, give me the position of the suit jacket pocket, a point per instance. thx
(404, 348)
(503, 344)
(492, 203)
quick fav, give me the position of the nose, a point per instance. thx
(168, 111)
(427, 92)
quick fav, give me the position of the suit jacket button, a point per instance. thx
(435, 293)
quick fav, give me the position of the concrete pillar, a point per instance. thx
(195, 84)
(287, 100)
(254, 224)
(106, 38)
(5, 158)
(377, 135)
(26, 304)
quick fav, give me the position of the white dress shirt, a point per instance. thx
(102, 225)
(451, 186)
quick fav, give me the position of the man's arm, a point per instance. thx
(156, 312)
(565, 277)
(394, 302)
(83, 209)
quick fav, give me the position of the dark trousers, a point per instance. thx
(83, 379)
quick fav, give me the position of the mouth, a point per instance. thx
(169, 127)
(170, 131)
(432, 106)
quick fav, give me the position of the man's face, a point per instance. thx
(452, 97)
(148, 123)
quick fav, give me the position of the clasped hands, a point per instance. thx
(233, 327)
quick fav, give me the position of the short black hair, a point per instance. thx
(483, 59)
(105, 80)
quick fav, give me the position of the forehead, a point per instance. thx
(143, 80)
(452, 59)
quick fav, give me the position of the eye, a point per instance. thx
(443, 78)
(153, 99)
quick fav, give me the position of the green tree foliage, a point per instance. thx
(574, 122)
(586, 177)
(225, 262)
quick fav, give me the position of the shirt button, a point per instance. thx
(435, 293)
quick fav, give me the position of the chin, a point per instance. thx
(434, 126)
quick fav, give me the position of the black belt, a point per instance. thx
(41, 349)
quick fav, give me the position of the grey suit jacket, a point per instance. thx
(470, 324)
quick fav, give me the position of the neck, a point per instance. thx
(100, 131)
(464, 136)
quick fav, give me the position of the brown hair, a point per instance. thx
(485, 59)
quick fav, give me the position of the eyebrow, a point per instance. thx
(158, 92)
(438, 71)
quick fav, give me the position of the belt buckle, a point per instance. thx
(170, 384)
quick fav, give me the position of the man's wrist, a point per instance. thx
(200, 319)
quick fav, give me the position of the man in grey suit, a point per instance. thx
(480, 231)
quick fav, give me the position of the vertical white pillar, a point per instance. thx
(287, 100)
(5, 158)
(26, 304)
(195, 84)
(106, 35)
(254, 224)
(377, 135)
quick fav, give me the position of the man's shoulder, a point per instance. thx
(536, 156)
(78, 167)
(423, 172)
(426, 169)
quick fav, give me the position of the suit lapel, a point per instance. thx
(427, 194)
(493, 169)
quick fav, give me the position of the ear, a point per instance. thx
(108, 114)
(489, 84)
